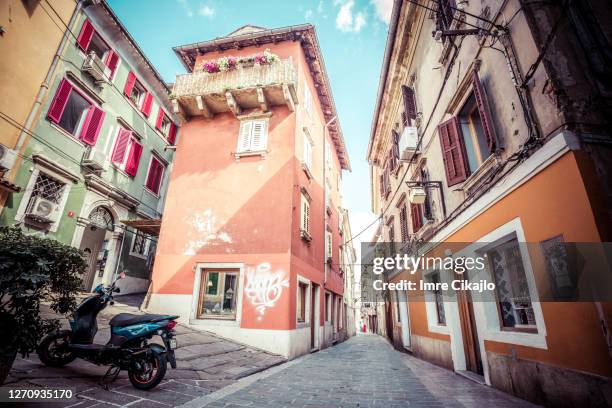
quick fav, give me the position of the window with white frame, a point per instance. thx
(307, 157)
(514, 301)
(302, 295)
(45, 199)
(252, 137)
(218, 294)
(140, 245)
(127, 152)
(305, 217)
(307, 100)
(328, 246)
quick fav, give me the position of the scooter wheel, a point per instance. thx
(145, 373)
(53, 350)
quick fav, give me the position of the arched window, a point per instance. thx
(102, 218)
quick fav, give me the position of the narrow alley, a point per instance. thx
(364, 371)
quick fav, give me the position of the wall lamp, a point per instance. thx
(428, 185)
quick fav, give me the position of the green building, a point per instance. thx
(97, 161)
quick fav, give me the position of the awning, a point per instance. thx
(150, 227)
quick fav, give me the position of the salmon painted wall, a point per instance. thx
(554, 202)
(224, 210)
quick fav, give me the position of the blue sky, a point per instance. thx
(352, 34)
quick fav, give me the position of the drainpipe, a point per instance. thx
(45, 84)
(325, 195)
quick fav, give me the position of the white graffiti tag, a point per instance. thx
(264, 287)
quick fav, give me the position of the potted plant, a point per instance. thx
(33, 270)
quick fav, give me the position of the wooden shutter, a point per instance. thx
(259, 136)
(404, 223)
(244, 136)
(112, 60)
(484, 111)
(92, 125)
(453, 152)
(147, 104)
(129, 84)
(409, 103)
(305, 215)
(155, 173)
(131, 167)
(87, 32)
(160, 119)
(417, 220)
(172, 133)
(123, 138)
(59, 101)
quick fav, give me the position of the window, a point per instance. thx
(75, 114)
(327, 193)
(444, 14)
(391, 236)
(307, 101)
(301, 302)
(46, 188)
(385, 186)
(328, 246)
(327, 306)
(416, 214)
(403, 217)
(127, 152)
(410, 110)
(513, 296)
(307, 158)
(140, 245)
(394, 153)
(155, 175)
(305, 218)
(468, 139)
(253, 136)
(166, 126)
(439, 299)
(91, 42)
(218, 294)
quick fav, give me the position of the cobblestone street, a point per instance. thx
(364, 371)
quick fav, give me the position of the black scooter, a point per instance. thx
(128, 348)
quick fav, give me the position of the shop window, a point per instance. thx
(218, 294)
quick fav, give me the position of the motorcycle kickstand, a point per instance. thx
(111, 375)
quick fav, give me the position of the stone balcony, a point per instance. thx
(258, 86)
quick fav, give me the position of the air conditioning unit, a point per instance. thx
(96, 68)
(43, 210)
(408, 142)
(95, 160)
(7, 158)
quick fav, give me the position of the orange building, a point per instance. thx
(250, 239)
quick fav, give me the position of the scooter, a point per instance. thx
(128, 348)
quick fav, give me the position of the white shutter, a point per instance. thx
(307, 152)
(244, 137)
(305, 215)
(259, 135)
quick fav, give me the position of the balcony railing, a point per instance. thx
(203, 93)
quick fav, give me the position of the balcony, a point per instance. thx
(258, 86)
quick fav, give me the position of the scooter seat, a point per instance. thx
(128, 319)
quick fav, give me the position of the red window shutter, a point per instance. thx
(129, 84)
(453, 152)
(147, 104)
(172, 133)
(404, 223)
(59, 101)
(155, 174)
(409, 103)
(160, 118)
(417, 220)
(131, 167)
(92, 125)
(112, 61)
(483, 110)
(87, 31)
(123, 138)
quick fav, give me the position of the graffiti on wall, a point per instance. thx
(264, 287)
(204, 231)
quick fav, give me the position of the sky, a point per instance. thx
(352, 35)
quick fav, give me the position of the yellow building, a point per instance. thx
(31, 32)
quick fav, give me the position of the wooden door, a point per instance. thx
(469, 332)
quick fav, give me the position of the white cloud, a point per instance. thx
(185, 5)
(206, 11)
(320, 7)
(346, 21)
(383, 9)
(308, 14)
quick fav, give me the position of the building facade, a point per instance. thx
(348, 258)
(99, 151)
(26, 26)
(491, 132)
(250, 239)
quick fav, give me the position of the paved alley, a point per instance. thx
(364, 371)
